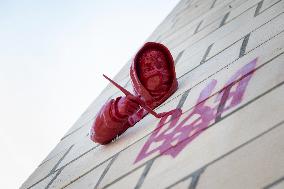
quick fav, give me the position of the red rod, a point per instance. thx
(141, 103)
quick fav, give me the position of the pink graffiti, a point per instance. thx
(172, 138)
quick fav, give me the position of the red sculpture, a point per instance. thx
(154, 80)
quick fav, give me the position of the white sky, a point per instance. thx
(52, 56)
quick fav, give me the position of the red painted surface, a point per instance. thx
(137, 100)
(154, 80)
(172, 138)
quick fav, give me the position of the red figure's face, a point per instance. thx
(154, 71)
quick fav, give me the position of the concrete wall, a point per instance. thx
(229, 64)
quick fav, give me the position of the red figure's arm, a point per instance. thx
(141, 103)
(112, 120)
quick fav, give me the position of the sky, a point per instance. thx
(52, 57)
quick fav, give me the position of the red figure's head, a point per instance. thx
(153, 74)
(154, 71)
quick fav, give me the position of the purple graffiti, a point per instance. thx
(172, 138)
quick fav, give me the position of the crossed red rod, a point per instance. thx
(141, 102)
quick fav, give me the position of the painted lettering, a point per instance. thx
(171, 138)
